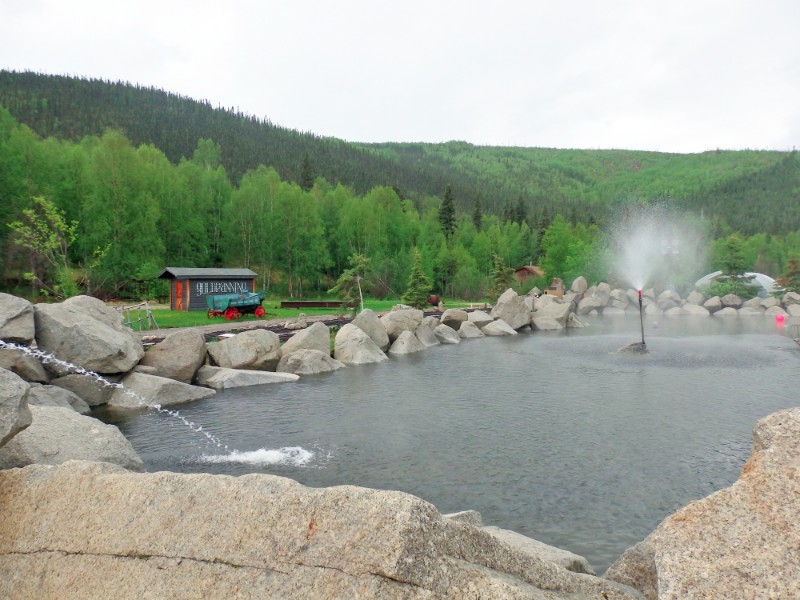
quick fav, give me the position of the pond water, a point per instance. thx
(551, 434)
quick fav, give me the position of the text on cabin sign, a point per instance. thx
(221, 287)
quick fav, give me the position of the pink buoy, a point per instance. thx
(780, 318)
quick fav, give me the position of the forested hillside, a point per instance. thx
(103, 184)
(745, 191)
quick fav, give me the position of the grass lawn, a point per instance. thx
(167, 318)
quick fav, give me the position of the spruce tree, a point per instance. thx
(418, 285)
(306, 173)
(502, 277)
(447, 213)
(477, 216)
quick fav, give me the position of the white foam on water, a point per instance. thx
(294, 456)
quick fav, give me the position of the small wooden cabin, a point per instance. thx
(188, 287)
(527, 271)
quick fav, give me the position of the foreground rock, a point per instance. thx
(24, 365)
(53, 395)
(87, 333)
(178, 356)
(141, 391)
(14, 412)
(57, 435)
(741, 542)
(569, 560)
(254, 536)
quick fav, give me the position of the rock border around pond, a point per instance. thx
(167, 372)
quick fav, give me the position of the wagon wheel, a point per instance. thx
(231, 313)
(259, 312)
(210, 313)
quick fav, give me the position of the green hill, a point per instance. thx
(746, 191)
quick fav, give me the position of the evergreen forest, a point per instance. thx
(102, 184)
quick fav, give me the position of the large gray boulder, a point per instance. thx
(595, 298)
(564, 558)
(775, 310)
(425, 333)
(406, 343)
(469, 330)
(446, 334)
(558, 311)
(140, 390)
(23, 364)
(52, 395)
(14, 412)
(769, 302)
(453, 317)
(695, 310)
(95, 391)
(511, 308)
(85, 332)
(498, 327)
(713, 304)
(352, 346)
(740, 542)
(731, 300)
(315, 337)
(308, 362)
(58, 434)
(257, 349)
(172, 535)
(480, 318)
(580, 285)
(546, 323)
(177, 356)
(397, 321)
(16, 319)
(790, 298)
(369, 322)
(668, 299)
(727, 312)
(695, 297)
(619, 299)
(222, 378)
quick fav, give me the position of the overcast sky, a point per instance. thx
(674, 76)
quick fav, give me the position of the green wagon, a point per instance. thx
(232, 306)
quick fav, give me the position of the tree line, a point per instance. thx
(103, 216)
(736, 191)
